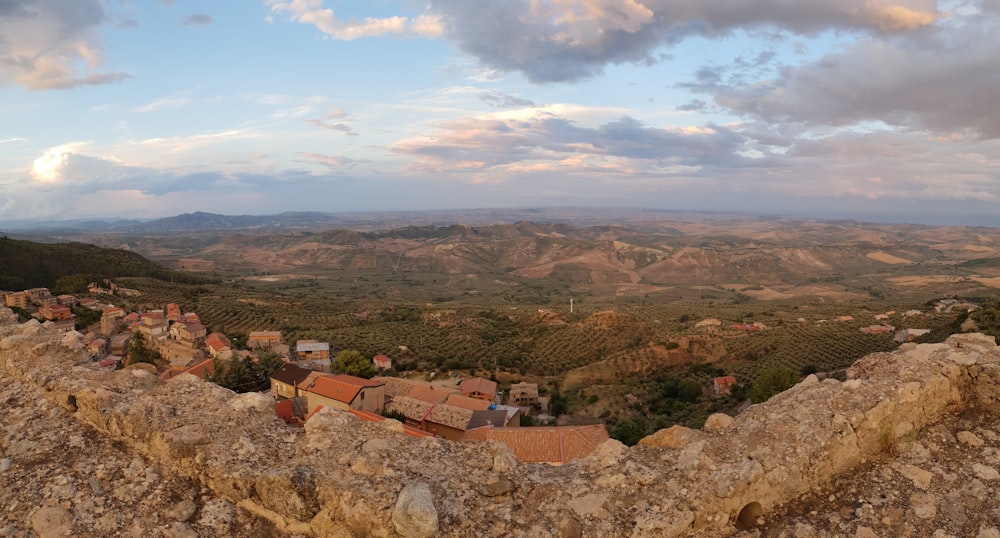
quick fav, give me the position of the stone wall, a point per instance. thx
(340, 476)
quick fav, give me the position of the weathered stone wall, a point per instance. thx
(341, 477)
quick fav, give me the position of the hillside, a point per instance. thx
(24, 264)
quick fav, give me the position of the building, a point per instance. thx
(307, 350)
(523, 394)
(55, 312)
(98, 347)
(264, 340)
(110, 320)
(909, 335)
(444, 420)
(217, 343)
(284, 382)
(16, 299)
(39, 296)
(190, 334)
(344, 392)
(554, 445)
(877, 329)
(173, 312)
(722, 385)
(120, 344)
(480, 388)
(382, 362)
(708, 322)
(426, 392)
(66, 300)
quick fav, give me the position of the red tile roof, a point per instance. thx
(331, 387)
(429, 393)
(203, 367)
(479, 384)
(559, 444)
(217, 341)
(369, 416)
(357, 381)
(465, 402)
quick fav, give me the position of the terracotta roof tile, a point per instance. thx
(479, 384)
(465, 402)
(343, 388)
(429, 393)
(396, 386)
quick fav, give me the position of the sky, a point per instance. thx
(878, 109)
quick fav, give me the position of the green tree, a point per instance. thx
(689, 390)
(353, 362)
(138, 351)
(770, 382)
(629, 432)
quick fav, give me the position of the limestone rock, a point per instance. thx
(969, 438)
(717, 422)
(252, 402)
(51, 522)
(985, 472)
(675, 436)
(290, 492)
(415, 515)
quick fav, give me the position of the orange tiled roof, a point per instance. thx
(369, 416)
(479, 384)
(203, 367)
(329, 386)
(429, 393)
(558, 444)
(357, 381)
(217, 341)
(465, 402)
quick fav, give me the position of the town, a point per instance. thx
(306, 379)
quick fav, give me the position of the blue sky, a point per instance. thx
(880, 109)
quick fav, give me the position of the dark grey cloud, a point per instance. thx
(52, 44)
(197, 19)
(565, 41)
(944, 81)
(502, 100)
(691, 106)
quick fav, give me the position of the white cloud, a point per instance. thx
(312, 12)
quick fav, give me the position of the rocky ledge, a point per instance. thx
(185, 457)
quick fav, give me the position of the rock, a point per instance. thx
(52, 521)
(920, 477)
(969, 438)
(415, 515)
(988, 532)
(178, 529)
(218, 515)
(984, 472)
(607, 454)
(569, 528)
(495, 488)
(5, 465)
(716, 422)
(924, 505)
(865, 532)
(182, 511)
(252, 402)
(290, 492)
(590, 505)
(675, 436)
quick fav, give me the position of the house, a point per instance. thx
(523, 394)
(841, 319)
(443, 420)
(345, 392)
(152, 324)
(909, 335)
(396, 386)
(911, 313)
(39, 296)
(171, 351)
(472, 404)
(109, 320)
(480, 388)
(173, 312)
(722, 385)
(755, 326)
(555, 445)
(264, 339)
(707, 322)
(429, 393)
(55, 312)
(877, 329)
(368, 416)
(306, 350)
(98, 347)
(120, 343)
(284, 382)
(17, 299)
(217, 343)
(382, 362)
(881, 317)
(66, 300)
(202, 369)
(87, 302)
(190, 334)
